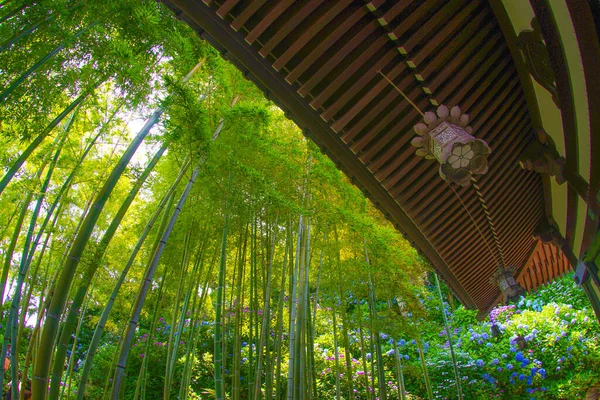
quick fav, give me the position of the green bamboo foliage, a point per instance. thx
(67, 183)
(28, 30)
(35, 67)
(278, 292)
(40, 138)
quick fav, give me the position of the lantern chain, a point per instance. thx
(490, 221)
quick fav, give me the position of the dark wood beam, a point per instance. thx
(589, 48)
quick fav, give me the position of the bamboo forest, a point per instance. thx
(166, 231)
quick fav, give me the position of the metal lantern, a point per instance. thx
(447, 138)
(509, 287)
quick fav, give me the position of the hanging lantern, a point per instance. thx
(447, 138)
(511, 290)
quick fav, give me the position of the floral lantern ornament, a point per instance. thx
(447, 138)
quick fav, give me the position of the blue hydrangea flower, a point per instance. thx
(495, 361)
(479, 363)
(522, 377)
(509, 366)
(519, 357)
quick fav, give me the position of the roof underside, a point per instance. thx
(319, 60)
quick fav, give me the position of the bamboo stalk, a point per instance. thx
(279, 329)
(90, 271)
(265, 321)
(12, 327)
(337, 358)
(218, 357)
(449, 335)
(133, 322)
(294, 300)
(95, 342)
(172, 348)
(50, 330)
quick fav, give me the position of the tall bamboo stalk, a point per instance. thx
(133, 322)
(12, 245)
(239, 304)
(218, 357)
(347, 355)
(71, 360)
(12, 326)
(279, 329)
(42, 365)
(449, 335)
(337, 358)
(399, 371)
(143, 375)
(294, 300)
(14, 12)
(95, 342)
(265, 322)
(90, 271)
(424, 368)
(363, 355)
(176, 333)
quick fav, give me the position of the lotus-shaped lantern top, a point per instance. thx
(446, 136)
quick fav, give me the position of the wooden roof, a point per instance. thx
(319, 61)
